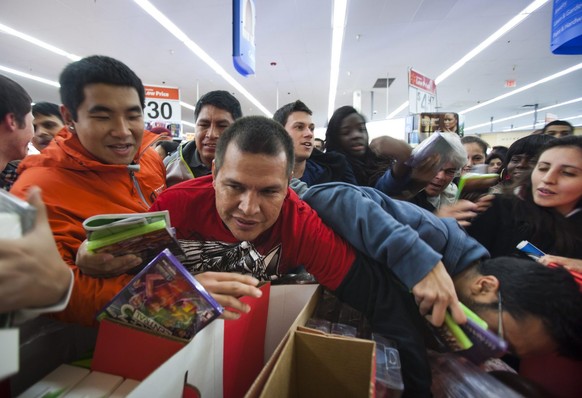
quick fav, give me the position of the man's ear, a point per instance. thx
(485, 285)
(213, 168)
(67, 117)
(9, 121)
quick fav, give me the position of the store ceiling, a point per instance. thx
(382, 39)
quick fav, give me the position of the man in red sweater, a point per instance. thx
(247, 203)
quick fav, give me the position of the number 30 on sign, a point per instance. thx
(163, 108)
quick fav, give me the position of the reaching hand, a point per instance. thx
(227, 288)
(435, 293)
(426, 170)
(462, 211)
(104, 265)
(484, 202)
(32, 272)
(572, 264)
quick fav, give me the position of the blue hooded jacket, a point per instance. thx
(409, 239)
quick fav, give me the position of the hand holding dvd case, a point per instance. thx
(165, 298)
(472, 340)
(142, 234)
(436, 144)
(475, 183)
(16, 218)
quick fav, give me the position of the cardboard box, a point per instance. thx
(130, 352)
(213, 369)
(57, 382)
(316, 365)
(310, 363)
(304, 314)
(223, 360)
(95, 385)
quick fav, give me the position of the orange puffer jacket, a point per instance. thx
(76, 186)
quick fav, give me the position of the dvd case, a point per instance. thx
(142, 234)
(164, 298)
(25, 212)
(472, 340)
(16, 218)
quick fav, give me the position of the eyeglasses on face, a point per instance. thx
(500, 316)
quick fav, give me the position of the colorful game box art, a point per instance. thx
(141, 234)
(472, 340)
(164, 298)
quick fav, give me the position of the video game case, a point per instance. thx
(142, 234)
(106, 225)
(389, 383)
(165, 298)
(145, 245)
(319, 324)
(485, 344)
(26, 213)
(17, 217)
(472, 340)
(436, 144)
(469, 177)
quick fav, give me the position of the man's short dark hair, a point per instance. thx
(46, 109)
(282, 114)
(551, 294)
(559, 123)
(257, 135)
(220, 99)
(92, 70)
(473, 139)
(169, 146)
(14, 99)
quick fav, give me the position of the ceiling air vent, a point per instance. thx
(381, 83)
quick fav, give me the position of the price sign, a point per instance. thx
(163, 109)
(421, 93)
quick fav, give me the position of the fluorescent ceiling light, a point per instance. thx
(29, 76)
(523, 14)
(187, 105)
(397, 110)
(540, 124)
(338, 27)
(525, 127)
(72, 57)
(486, 43)
(40, 43)
(572, 117)
(525, 114)
(526, 87)
(174, 30)
(188, 123)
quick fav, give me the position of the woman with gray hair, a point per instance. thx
(438, 194)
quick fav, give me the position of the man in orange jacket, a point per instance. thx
(101, 162)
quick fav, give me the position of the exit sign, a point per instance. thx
(510, 83)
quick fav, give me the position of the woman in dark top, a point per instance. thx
(347, 134)
(546, 209)
(521, 158)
